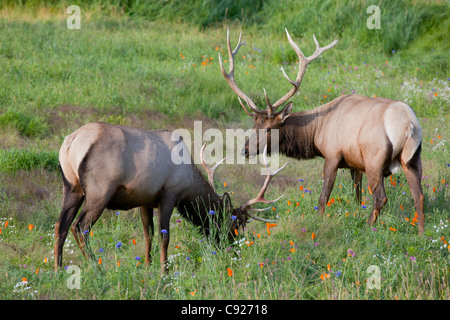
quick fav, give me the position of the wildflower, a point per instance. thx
(100, 261)
(392, 229)
(303, 230)
(233, 217)
(101, 250)
(211, 212)
(324, 276)
(164, 231)
(364, 206)
(119, 244)
(350, 252)
(193, 292)
(117, 213)
(30, 227)
(338, 273)
(230, 272)
(316, 208)
(134, 241)
(292, 250)
(313, 236)
(213, 252)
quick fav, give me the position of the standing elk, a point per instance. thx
(120, 168)
(371, 135)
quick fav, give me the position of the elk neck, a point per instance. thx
(297, 135)
(196, 202)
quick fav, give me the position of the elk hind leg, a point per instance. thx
(413, 172)
(93, 208)
(72, 202)
(357, 180)
(376, 183)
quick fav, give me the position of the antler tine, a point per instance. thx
(229, 77)
(260, 197)
(259, 219)
(209, 171)
(270, 108)
(303, 64)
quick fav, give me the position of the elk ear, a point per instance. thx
(286, 112)
(226, 203)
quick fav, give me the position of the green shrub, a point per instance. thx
(13, 160)
(28, 125)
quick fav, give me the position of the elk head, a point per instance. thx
(268, 119)
(242, 214)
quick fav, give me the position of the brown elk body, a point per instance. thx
(118, 167)
(372, 135)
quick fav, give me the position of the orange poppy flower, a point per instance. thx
(230, 272)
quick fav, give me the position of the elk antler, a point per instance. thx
(260, 197)
(229, 77)
(303, 64)
(209, 171)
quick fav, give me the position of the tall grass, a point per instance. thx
(13, 160)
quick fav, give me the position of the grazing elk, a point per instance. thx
(371, 135)
(118, 167)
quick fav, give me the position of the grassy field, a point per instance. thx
(156, 66)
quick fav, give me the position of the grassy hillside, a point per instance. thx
(154, 64)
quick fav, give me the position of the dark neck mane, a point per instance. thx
(297, 136)
(199, 200)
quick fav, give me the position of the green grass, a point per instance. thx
(13, 160)
(156, 66)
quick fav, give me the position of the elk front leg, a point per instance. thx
(165, 212)
(147, 222)
(329, 176)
